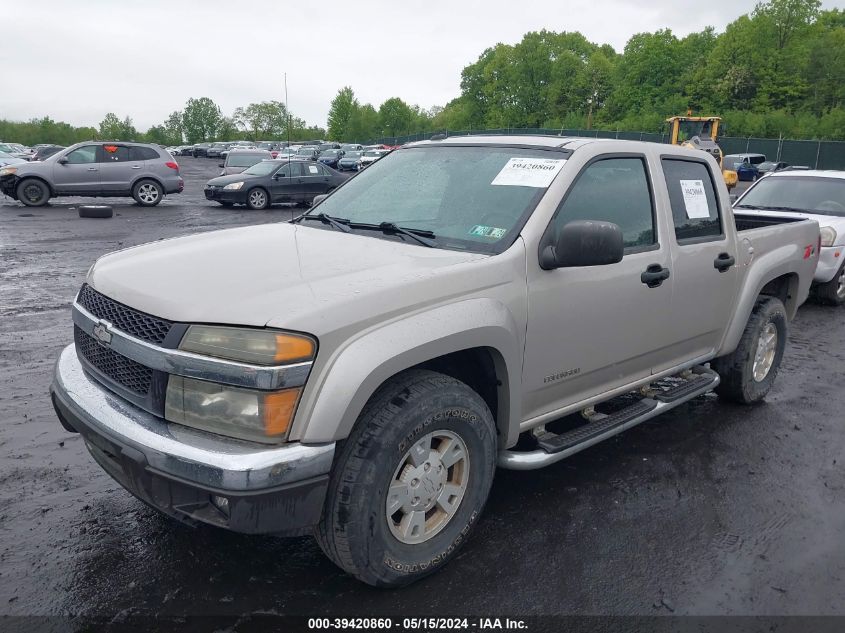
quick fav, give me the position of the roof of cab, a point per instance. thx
(816, 173)
(507, 139)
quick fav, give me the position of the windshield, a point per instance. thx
(331, 152)
(470, 198)
(810, 194)
(305, 152)
(6, 148)
(352, 155)
(244, 160)
(373, 152)
(262, 168)
(766, 165)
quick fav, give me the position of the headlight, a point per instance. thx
(259, 416)
(257, 347)
(8, 171)
(234, 186)
(828, 234)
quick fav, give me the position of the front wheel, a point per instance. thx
(257, 199)
(147, 193)
(833, 292)
(750, 371)
(411, 480)
(33, 192)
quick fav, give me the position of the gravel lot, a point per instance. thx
(710, 509)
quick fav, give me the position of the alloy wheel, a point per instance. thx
(427, 487)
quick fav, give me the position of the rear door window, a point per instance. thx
(695, 208)
(143, 153)
(114, 153)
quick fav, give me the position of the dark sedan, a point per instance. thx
(272, 181)
(770, 167)
(331, 157)
(351, 161)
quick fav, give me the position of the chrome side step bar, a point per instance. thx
(661, 396)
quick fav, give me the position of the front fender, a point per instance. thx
(334, 398)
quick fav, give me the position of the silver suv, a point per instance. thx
(145, 172)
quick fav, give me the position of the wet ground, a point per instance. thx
(710, 509)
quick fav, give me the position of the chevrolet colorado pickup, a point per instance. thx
(359, 372)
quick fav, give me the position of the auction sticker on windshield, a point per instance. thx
(695, 200)
(529, 172)
(488, 231)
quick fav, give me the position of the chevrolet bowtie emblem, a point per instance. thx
(102, 334)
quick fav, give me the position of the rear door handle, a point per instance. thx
(92, 169)
(723, 262)
(136, 167)
(654, 275)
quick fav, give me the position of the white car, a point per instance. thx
(370, 156)
(814, 194)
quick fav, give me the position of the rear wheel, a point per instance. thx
(750, 371)
(833, 292)
(411, 480)
(33, 192)
(147, 193)
(257, 199)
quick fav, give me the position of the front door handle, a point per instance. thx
(92, 169)
(654, 275)
(723, 262)
(136, 167)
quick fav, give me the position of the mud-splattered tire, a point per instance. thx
(95, 211)
(750, 371)
(832, 293)
(395, 446)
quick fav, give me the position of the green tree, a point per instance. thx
(113, 129)
(201, 120)
(265, 120)
(341, 111)
(395, 117)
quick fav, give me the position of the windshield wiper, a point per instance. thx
(422, 236)
(338, 223)
(771, 208)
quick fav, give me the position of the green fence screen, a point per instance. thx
(813, 154)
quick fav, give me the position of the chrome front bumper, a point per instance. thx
(146, 454)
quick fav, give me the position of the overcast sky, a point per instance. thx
(75, 60)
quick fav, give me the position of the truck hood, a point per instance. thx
(284, 275)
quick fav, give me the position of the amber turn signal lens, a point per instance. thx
(293, 348)
(278, 411)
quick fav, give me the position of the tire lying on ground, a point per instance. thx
(95, 211)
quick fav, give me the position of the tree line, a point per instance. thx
(778, 71)
(200, 120)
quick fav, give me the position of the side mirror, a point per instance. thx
(62, 160)
(584, 243)
(318, 199)
(221, 165)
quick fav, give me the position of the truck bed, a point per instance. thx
(748, 222)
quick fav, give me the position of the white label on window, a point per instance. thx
(313, 169)
(695, 200)
(529, 172)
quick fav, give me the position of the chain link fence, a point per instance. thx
(814, 154)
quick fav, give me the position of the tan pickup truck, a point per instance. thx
(359, 372)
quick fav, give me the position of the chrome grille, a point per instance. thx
(122, 370)
(138, 324)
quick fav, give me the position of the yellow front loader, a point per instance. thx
(700, 132)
